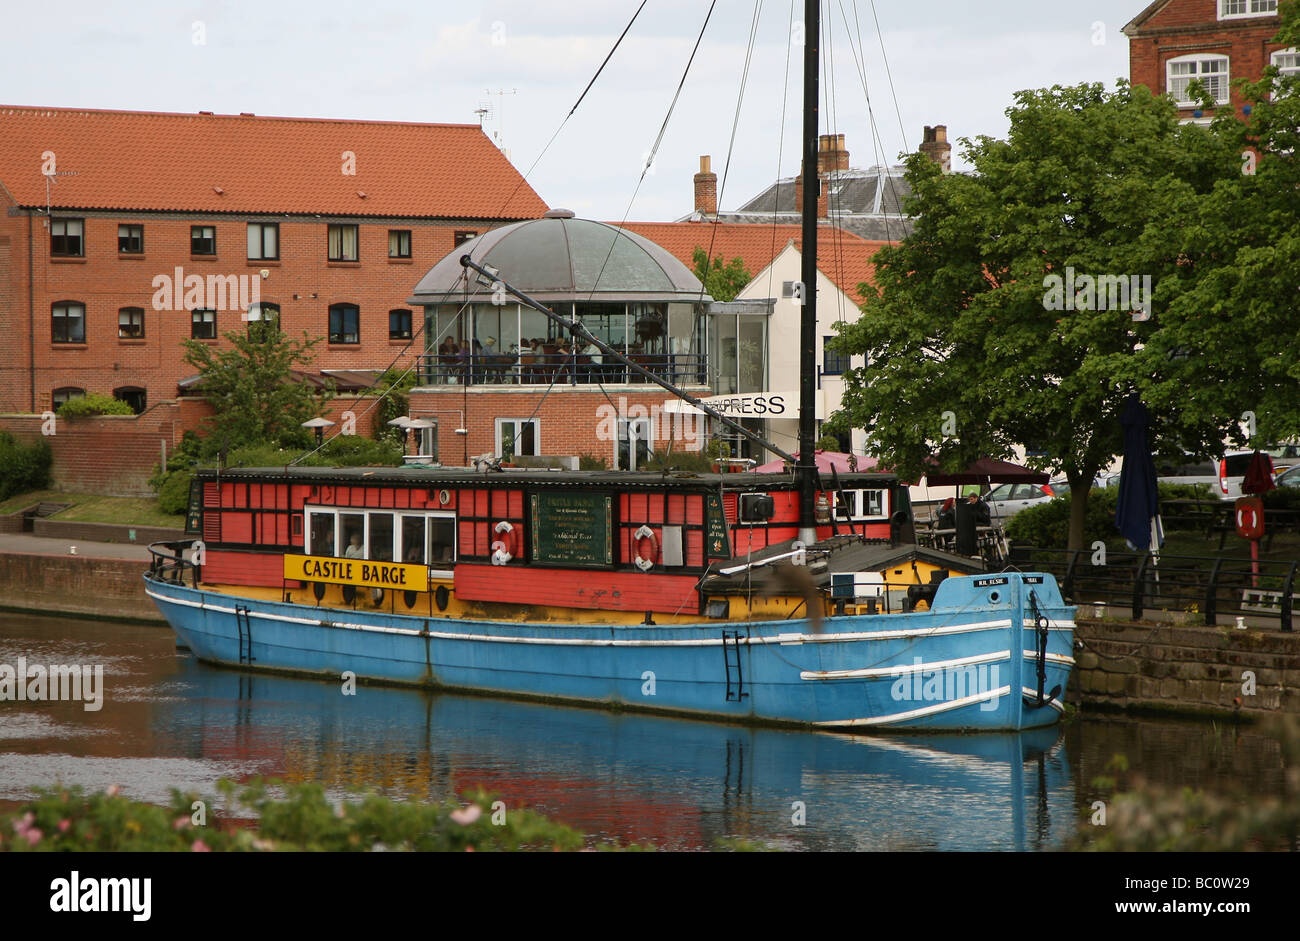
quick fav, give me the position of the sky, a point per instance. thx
(525, 63)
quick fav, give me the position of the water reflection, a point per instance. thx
(170, 721)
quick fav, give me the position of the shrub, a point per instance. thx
(356, 451)
(93, 403)
(1048, 524)
(590, 462)
(173, 491)
(23, 467)
(1282, 498)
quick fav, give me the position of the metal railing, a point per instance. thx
(569, 369)
(1202, 588)
(167, 562)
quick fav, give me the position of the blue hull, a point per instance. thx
(970, 663)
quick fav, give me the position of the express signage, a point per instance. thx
(363, 573)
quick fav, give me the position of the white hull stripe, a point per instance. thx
(1033, 694)
(1060, 658)
(904, 670)
(924, 710)
(937, 631)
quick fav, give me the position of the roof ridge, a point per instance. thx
(39, 110)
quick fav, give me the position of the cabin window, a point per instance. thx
(413, 539)
(379, 546)
(862, 505)
(442, 540)
(352, 535)
(320, 533)
(419, 538)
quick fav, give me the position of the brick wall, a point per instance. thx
(1181, 668)
(302, 282)
(570, 417)
(1185, 27)
(76, 585)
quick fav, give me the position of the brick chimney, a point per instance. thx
(831, 155)
(706, 189)
(936, 146)
(823, 197)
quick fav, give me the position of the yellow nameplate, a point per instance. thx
(360, 572)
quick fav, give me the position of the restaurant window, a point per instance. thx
(399, 243)
(399, 324)
(68, 322)
(130, 323)
(517, 437)
(66, 238)
(203, 324)
(345, 323)
(263, 241)
(342, 243)
(133, 396)
(203, 240)
(130, 239)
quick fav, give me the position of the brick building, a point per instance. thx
(128, 232)
(1173, 42)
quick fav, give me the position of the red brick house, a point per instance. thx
(126, 232)
(1172, 42)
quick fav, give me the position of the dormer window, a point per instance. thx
(1239, 9)
(1212, 71)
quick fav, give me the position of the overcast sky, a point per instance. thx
(953, 62)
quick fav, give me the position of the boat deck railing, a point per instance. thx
(167, 562)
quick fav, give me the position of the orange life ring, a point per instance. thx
(506, 548)
(645, 561)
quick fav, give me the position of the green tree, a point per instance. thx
(972, 348)
(722, 282)
(252, 386)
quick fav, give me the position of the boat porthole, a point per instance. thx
(444, 497)
(410, 598)
(349, 593)
(994, 597)
(377, 596)
(441, 597)
(318, 589)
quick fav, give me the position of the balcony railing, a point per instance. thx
(569, 369)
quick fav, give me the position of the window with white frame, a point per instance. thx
(411, 537)
(859, 505)
(1235, 9)
(635, 443)
(1212, 71)
(1287, 63)
(518, 437)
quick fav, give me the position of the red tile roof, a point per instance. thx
(843, 257)
(138, 161)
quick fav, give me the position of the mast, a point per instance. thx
(807, 466)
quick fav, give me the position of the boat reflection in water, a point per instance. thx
(675, 783)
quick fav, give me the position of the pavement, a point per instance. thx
(27, 544)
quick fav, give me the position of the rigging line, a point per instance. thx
(859, 58)
(888, 176)
(731, 144)
(387, 392)
(538, 159)
(650, 159)
(888, 73)
(834, 203)
(780, 149)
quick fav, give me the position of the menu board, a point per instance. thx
(572, 528)
(715, 528)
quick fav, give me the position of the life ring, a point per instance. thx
(504, 549)
(645, 561)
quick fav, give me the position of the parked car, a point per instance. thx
(1289, 478)
(1191, 471)
(1006, 500)
(1061, 487)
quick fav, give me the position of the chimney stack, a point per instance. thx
(706, 189)
(831, 155)
(936, 146)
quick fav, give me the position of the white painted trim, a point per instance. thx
(1051, 658)
(904, 670)
(1054, 703)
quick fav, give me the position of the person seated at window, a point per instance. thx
(354, 549)
(413, 556)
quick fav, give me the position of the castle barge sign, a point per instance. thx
(360, 572)
(572, 528)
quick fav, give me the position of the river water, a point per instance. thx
(168, 721)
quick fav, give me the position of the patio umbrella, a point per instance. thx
(826, 462)
(988, 470)
(1137, 509)
(1259, 475)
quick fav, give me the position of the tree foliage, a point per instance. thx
(966, 355)
(722, 282)
(252, 386)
